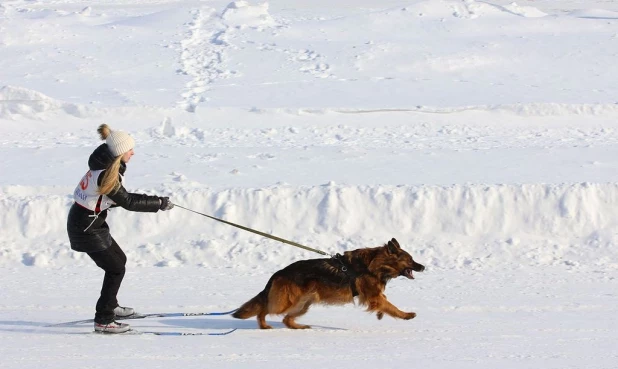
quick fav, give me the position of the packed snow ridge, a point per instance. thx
(459, 226)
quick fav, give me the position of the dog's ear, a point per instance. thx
(392, 247)
(394, 241)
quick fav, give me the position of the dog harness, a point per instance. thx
(349, 272)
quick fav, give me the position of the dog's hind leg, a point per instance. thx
(294, 313)
(261, 318)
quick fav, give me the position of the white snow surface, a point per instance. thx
(483, 135)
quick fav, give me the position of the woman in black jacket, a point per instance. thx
(100, 189)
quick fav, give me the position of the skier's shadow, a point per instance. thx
(22, 323)
(23, 326)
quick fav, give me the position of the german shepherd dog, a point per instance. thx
(335, 281)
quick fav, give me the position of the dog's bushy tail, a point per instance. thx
(252, 307)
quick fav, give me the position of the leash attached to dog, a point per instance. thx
(258, 232)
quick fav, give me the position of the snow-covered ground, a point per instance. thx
(483, 135)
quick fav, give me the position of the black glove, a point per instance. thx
(166, 204)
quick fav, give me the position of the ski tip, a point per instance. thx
(224, 333)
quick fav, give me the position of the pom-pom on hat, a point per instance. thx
(118, 142)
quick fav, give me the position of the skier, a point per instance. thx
(102, 188)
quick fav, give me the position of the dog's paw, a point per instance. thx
(379, 315)
(409, 316)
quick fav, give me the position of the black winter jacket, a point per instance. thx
(97, 237)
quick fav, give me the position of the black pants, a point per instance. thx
(112, 260)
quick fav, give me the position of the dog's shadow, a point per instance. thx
(209, 323)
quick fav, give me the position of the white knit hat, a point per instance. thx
(119, 142)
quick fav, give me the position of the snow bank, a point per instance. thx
(21, 102)
(242, 14)
(460, 226)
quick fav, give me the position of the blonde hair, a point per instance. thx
(111, 181)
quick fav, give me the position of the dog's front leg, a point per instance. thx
(383, 306)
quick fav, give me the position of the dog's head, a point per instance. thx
(405, 263)
(392, 261)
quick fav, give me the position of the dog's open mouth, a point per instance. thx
(407, 273)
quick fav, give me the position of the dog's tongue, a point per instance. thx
(408, 273)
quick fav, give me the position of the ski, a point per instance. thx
(169, 333)
(173, 315)
(163, 333)
(143, 316)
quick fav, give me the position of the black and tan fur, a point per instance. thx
(335, 281)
